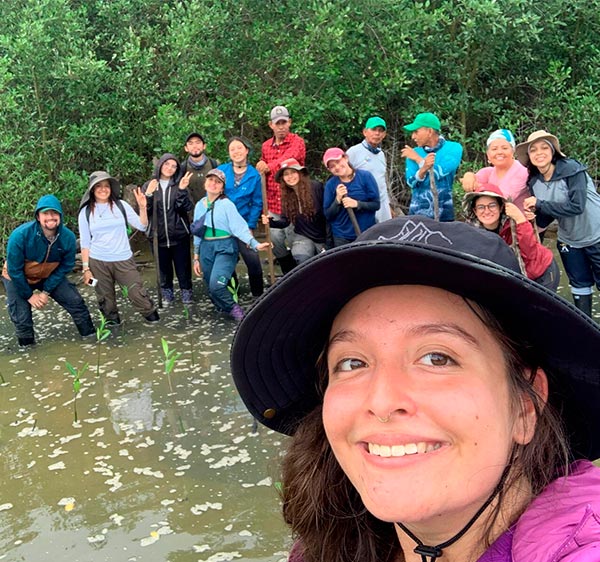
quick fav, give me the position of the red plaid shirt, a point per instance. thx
(292, 146)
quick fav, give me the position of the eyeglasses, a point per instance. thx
(489, 207)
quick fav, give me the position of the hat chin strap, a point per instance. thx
(432, 553)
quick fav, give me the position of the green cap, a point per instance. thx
(373, 122)
(428, 120)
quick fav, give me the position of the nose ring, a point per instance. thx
(386, 419)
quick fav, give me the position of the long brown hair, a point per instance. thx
(92, 202)
(326, 513)
(297, 200)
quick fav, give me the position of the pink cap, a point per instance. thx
(332, 154)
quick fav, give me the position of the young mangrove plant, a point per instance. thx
(170, 358)
(102, 332)
(76, 374)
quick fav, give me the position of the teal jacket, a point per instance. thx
(32, 260)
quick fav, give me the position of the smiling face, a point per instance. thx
(291, 177)
(214, 187)
(168, 169)
(340, 168)
(49, 221)
(501, 154)
(102, 191)
(420, 357)
(540, 154)
(238, 152)
(487, 210)
(195, 147)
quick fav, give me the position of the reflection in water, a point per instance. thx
(146, 474)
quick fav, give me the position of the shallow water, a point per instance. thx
(145, 474)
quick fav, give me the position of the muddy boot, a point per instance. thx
(152, 317)
(583, 303)
(287, 263)
(237, 313)
(257, 285)
(25, 342)
(86, 329)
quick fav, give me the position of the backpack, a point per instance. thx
(119, 204)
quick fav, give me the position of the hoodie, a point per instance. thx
(172, 207)
(31, 259)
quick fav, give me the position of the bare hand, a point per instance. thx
(265, 219)
(152, 187)
(340, 191)
(529, 215)
(263, 246)
(349, 203)
(469, 182)
(529, 203)
(140, 198)
(262, 167)
(429, 161)
(197, 269)
(38, 300)
(87, 275)
(514, 212)
(185, 181)
(410, 153)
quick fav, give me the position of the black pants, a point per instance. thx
(175, 256)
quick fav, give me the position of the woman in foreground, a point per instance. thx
(436, 399)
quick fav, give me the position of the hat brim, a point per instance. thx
(277, 345)
(299, 169)
(522, 150)
(115, 186)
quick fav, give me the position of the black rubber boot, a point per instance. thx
(287, 263)
(153, 317)
(86, 328)
(583, 303)
(257, 285)
(24, 342)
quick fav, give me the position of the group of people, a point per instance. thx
(524, 189)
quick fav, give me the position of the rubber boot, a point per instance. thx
(257, 285)
(583, 303)
(152, 317)
(25, 342)
(287, 263)
(86, 328)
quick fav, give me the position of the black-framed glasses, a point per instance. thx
(489, 207)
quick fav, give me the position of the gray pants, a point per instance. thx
(279, 236)
(124, 273)
(304, 248)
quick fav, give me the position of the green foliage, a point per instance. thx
(96, 84)
(170, 358)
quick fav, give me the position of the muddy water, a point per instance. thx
(150, 471)
(146, 473)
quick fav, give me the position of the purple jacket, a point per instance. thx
(561, 525)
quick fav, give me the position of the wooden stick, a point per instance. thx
(263, 186)
(435, 194)
(515, 246)
(155, 249)
(353, 220)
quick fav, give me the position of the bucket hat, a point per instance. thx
(289, 164)
(488, 189)
(522, 150)
(97, 177)
(276, 346)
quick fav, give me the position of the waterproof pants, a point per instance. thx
(177, 256)
(218, 258)
(124, 273)
(255, 274)
(65, 294)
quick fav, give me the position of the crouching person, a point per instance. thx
(39, 255)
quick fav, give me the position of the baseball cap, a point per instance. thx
(428, 120)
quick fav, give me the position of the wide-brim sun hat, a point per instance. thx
(97, 177)
(276, 347)
(484, 189)
(522, 150)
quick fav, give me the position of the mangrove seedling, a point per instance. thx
(76, 374)
(125, 291)
(170, 358)
(102, 332)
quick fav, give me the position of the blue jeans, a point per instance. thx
(218, 259)
(65, 294)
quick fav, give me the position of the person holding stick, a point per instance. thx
(217, 224)
(430, 168)
(487, 208)
(351, 197)
(302, 206)
(243, 188)
(442, 406)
